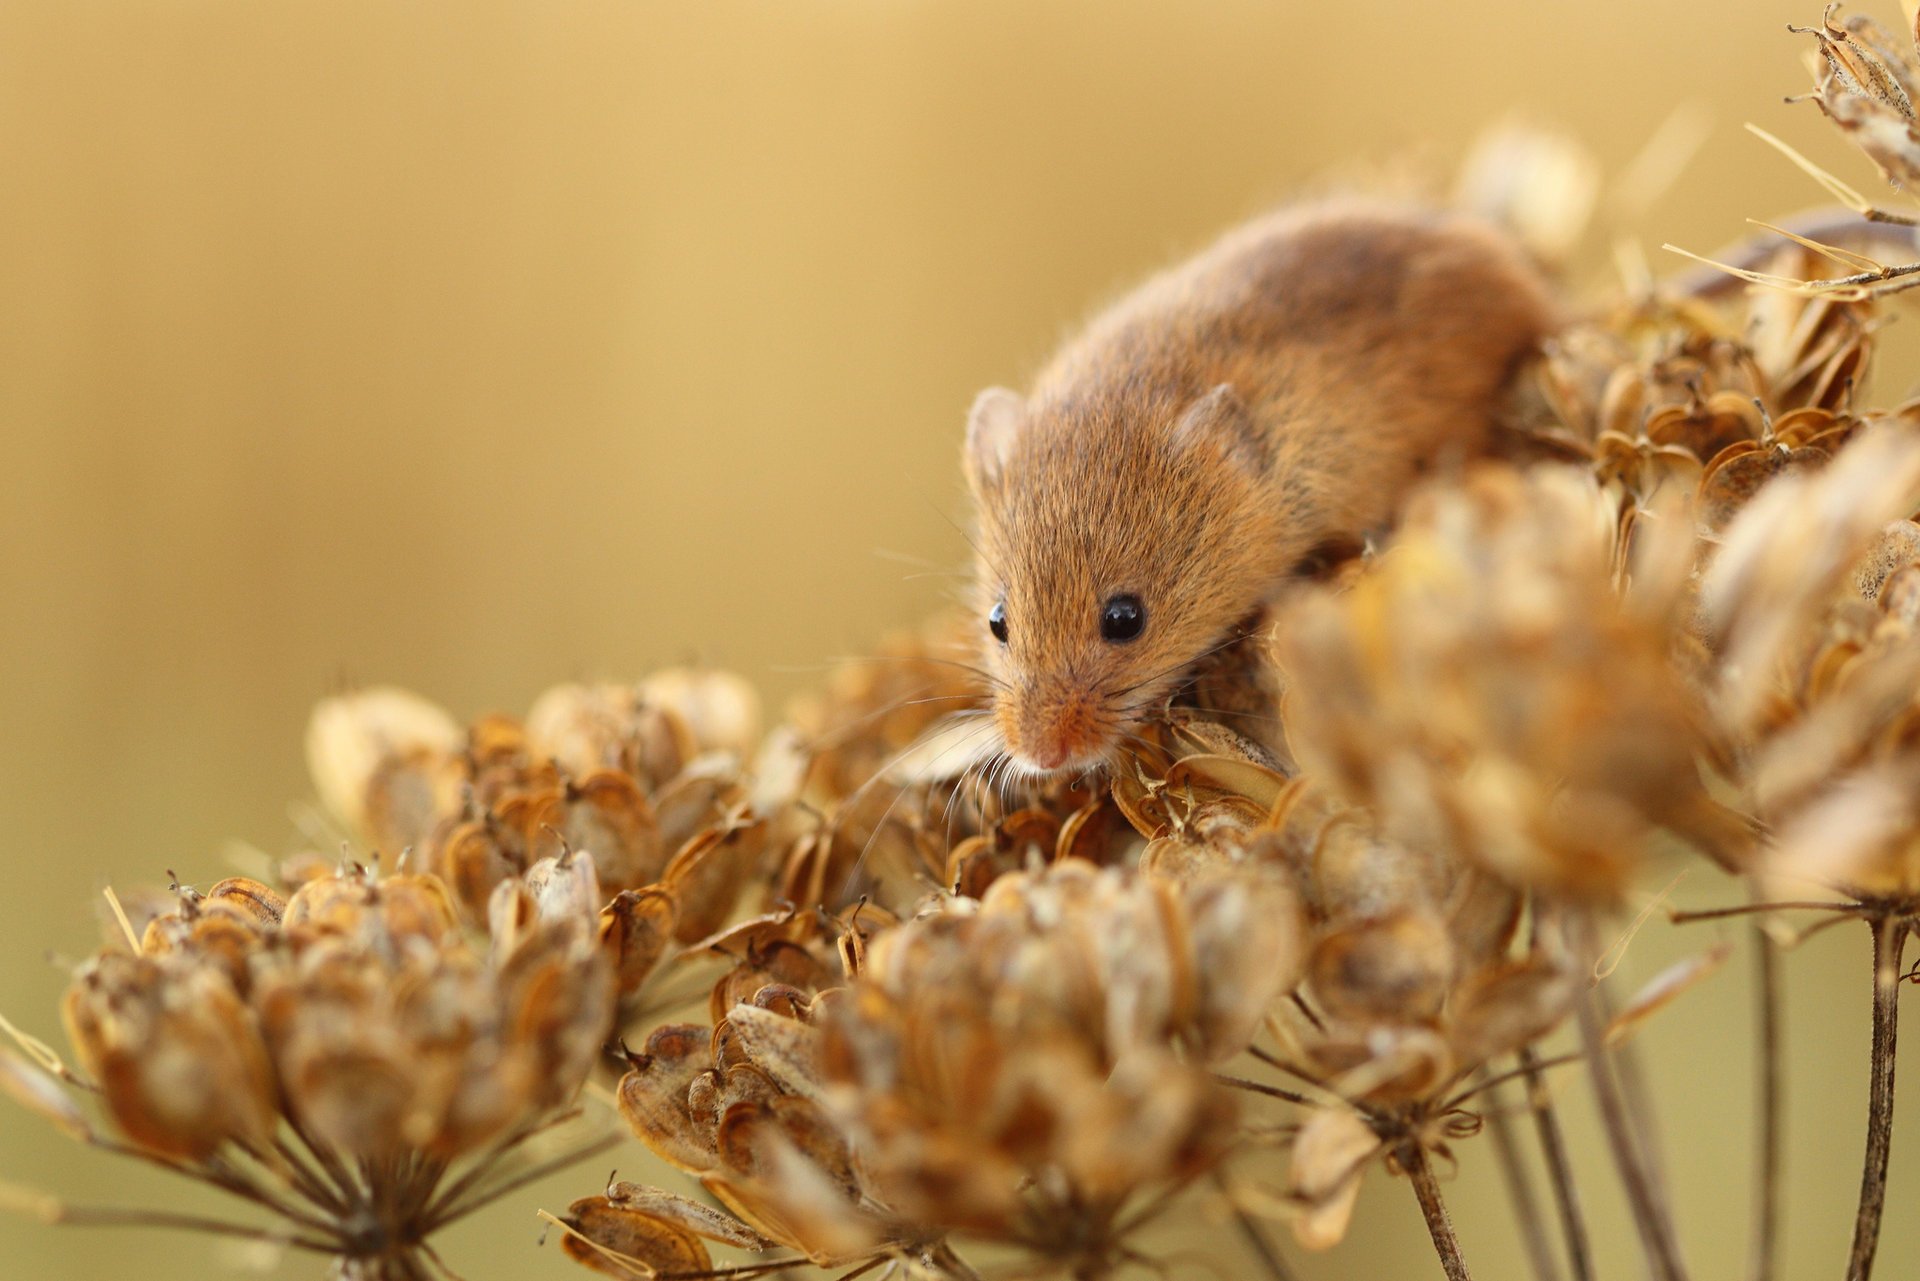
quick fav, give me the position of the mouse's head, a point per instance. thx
(1117, 545)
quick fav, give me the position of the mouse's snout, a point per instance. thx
(1056, 725)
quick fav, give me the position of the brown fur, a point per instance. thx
(1361, 343)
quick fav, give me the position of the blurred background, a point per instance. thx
(475, 346)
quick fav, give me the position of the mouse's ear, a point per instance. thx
(1220, 421)
(993, 424)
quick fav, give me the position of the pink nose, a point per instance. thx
(1050, 755)
(1054, 729)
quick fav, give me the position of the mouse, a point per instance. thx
(1197, 445)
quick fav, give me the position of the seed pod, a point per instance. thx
(626, 1241)
(719, 709)
(586, 729)
(175, 1053)
(385, 763)
(636, 929)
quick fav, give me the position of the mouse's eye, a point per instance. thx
(997, 621)
(1121, 618)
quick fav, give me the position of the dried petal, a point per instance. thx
(627, 1241)
(1330, 1154)
(653, 1095)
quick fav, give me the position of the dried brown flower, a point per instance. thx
(1028, 1069)
(1484, 690)
(648, 781)
(348, 1059)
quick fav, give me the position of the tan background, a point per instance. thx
(478, 345)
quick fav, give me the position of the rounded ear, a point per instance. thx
(993, 425)
(1218, 420)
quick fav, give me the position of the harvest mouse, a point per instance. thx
(1178, 460)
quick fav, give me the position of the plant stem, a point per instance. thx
(1519, 1181)
(1769, 1103)
(1553, 1149)
(1663, 1258)
(1413, 1159)
(1624, 1059)
(1889, 942)
(1257, 1244)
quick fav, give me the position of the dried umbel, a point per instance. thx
(1399, 1015)
(1866, 84)
(1028, 1069)
(1673, 396)
(348, 1059)
(1810, 605)
(647, 781)
(1864, 80)
(738, 1105)
(1484, 690)
(1813, 601)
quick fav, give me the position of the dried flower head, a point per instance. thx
(348, 1059)
(1029, 1069)
(646, 781)
(1810, 606)
(1484, 690)
(1865, 81)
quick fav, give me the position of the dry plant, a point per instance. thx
(893, 1014)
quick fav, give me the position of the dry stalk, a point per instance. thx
(1650, 1219)
(1413, 1159)
(1770, 1091)
(1889, 942)
(1519, 1182)
(1553, 1151)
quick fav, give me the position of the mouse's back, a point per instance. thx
(1174, 463)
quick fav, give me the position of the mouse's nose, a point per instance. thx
(1050, 755)
(1058, 735)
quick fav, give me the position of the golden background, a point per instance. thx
(475, 346)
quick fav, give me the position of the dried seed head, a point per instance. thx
(1486, 693)
(268, 1047)
(382, 760)
(175, 1052)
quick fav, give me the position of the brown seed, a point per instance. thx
(627, 1241)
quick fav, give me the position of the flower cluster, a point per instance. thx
(1028, 1069)
(645, 781)
(347, 1058)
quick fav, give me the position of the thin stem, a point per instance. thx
(485, 1164)
(313, 1184)
(1663, 1258)
(444, 1212)
(1257, 1243)
(94, 1216)
(1553, 1150)
(1519, 1181)
(1889, 942)
(1533, 1066)
(1761, 909)
(1271, 1091)
(1625, 1060)
(941, 1257)
(1770, 1089)
(1413, 1159)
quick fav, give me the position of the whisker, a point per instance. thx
(839, 734)
(1233, 638)
(978, 550)
(970, 668)
(859, 863)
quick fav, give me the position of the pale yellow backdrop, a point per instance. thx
(478, 345)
